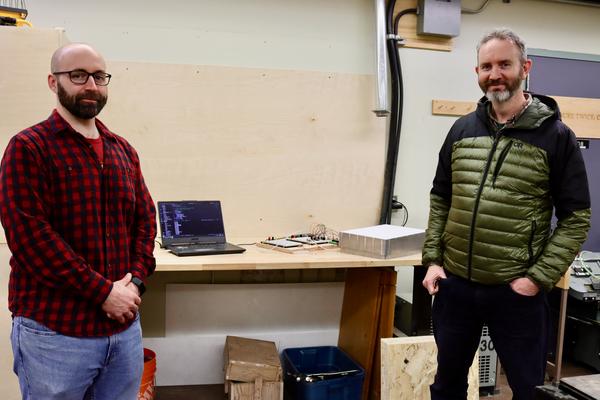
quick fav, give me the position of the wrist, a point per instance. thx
(533, 281)
(139, 284)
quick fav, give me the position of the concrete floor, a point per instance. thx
(215, 392)
(568, 369)
(196, 392)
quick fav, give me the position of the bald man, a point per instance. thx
(80, 224)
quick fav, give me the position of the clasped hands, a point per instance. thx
(123, 301)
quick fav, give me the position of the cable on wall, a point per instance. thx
(397, 87)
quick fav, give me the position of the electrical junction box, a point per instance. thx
(438, 17)
(382, 241)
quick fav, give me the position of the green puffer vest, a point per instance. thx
(494, 193)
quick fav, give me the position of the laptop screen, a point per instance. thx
(191, 222)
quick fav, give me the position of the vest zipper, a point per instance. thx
(501, 159)
(486, 170)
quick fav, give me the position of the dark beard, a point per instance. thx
(77, 107)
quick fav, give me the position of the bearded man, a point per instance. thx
(80, 224)
(490, 250)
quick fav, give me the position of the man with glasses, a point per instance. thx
(80, 224)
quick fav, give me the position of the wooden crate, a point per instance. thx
(252, 369)
(249, 359)
(258, 390)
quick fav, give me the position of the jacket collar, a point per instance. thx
(539, 109)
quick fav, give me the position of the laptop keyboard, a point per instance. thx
(199, 246)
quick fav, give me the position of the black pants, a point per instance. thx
(518, 327)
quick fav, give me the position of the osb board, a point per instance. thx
(281, 149)
(408, 367)
(248, 359)
(407, 29)
(582, 115)
(248, 391)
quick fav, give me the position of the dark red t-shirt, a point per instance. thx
(98, 148)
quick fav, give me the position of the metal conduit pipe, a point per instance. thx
(381, 106)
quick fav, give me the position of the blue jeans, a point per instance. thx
(53, 366)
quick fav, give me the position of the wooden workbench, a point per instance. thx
(369, 293)
(257, 258)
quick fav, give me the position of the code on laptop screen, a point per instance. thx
(187, 219)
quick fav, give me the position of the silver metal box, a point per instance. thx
(438, 18)
(382, 241)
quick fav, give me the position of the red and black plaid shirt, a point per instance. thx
(74, 224)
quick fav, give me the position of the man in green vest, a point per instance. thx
(490, 250)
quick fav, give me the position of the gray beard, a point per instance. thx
(499, 96)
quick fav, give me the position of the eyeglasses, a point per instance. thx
(80, 77)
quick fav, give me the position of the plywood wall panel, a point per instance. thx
(282, 149)
(24, 65)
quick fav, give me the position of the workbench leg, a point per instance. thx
(367, 316)
(560, 337)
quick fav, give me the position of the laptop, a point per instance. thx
(193, 228)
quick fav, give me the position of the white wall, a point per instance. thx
(451, 76)
(199, 317)
(439, 75)
(333, 35)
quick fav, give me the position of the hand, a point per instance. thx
(434, 274)
(133, 287)
(122, 303)
(525, 287)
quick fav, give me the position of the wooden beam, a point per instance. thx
(452, 108)
(582, 115)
